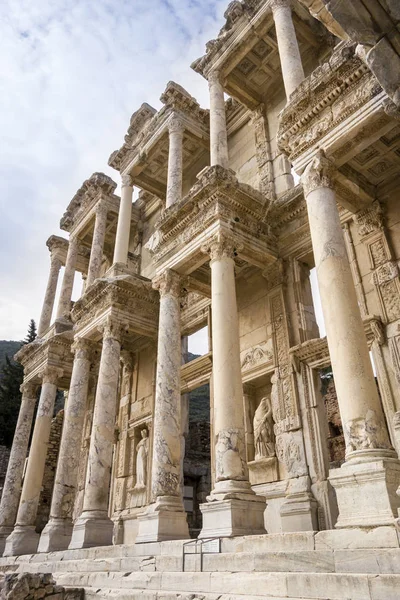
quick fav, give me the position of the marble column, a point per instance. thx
(288, 47)
(218, 132)
(165, 518)
(64, 303)
(12, 484)
(48, 303)
(58, 531)
(232, 508)
(365, 484)
(124, 221)
(175, 161)
(24, 539)
(96, 253)
(94, 527)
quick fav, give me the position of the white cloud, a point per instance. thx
(71, 75)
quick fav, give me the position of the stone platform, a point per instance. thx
(330, 565)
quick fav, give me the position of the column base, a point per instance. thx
(23, 540)
(91, 530)
(299, 511)
(232, 517)
(4, 533)
(366, 492)
(56, 535)
(163, 520)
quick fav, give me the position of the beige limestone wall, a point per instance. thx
(242, 155)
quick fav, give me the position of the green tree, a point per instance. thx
(10, 395)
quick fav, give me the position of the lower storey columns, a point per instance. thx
(366, 483)
(165, 518)
(24, 539)
(57, 533)
(232, 508)
(12, 484)
(94, 527)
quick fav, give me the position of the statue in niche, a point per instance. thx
(141, 460)
(263, 426)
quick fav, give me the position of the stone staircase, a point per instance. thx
(332, 565)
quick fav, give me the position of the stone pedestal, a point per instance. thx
(24, 539)
(218, 133)
(175, 159)
(57, 533)
(96, 254)
(371, 471)
(165, 518)
(124, 221)
(94, 527)
(299, 510)
(64, 303)
(12, 483)
(48, 303)
(232, 490)
(289, 53)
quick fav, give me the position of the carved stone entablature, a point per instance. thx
(369, 220)
(258, 357)
(237, 15)
(97, 184)
(196, 373)
(336, 92)
(54, 352)
(194, 312)
(129, 298)
(177, 98)
(139, 121)
(216, 205)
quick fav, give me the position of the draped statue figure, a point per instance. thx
(141, 460)
(263, 426)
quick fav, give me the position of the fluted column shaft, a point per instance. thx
(289, 53)
(24, 540)
(57, 533)
(96, 253)
(12, 484)
(363, 421)
(64, 303)
(124, 221)
(229, 430)
(218, 132)
(48, 303)
(94, 526)
(175, 162)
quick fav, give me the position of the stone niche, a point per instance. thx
(259, 426)
(140, 444)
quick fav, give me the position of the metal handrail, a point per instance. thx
(196, 543)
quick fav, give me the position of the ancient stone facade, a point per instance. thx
(298, 169)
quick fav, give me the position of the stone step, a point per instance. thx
(121, 594)
(311, 586)
(382, 561)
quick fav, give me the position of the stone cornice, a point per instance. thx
(177, 98)
(96, 184)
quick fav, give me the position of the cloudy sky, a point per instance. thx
(71, 74)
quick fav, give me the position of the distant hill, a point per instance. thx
(7, 347)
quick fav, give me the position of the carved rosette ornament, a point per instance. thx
(168, 282)
(126, 181)
(320, 173)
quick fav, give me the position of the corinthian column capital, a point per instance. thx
(127, 181)
(214, 77)
(113, 329)
(82, 348)
(221, 246)
(51, 375)
(176, 125)
(277, 4)
(29, 389)
(168, 282)
(320, 173)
